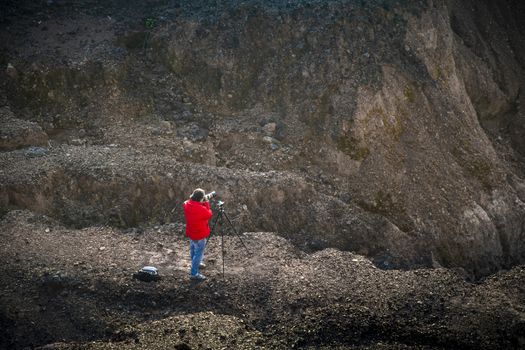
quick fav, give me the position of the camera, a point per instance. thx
(210, 195)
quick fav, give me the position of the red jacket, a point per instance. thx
(197, 215)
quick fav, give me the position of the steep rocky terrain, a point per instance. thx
(369, 135)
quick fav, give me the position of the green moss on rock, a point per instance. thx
(409, 93)
(349, 145)
(479, 168)
(482, 170)
(384, 204)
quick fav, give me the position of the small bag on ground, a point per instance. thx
(147, 274)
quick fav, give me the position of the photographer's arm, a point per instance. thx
(205, 212)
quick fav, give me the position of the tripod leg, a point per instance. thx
(212, 231)
(236, 233)
(220, 221)
(222, 250)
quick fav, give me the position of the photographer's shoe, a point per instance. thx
(197, 277)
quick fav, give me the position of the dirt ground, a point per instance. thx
(73, 289)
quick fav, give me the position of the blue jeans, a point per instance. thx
(196, 254)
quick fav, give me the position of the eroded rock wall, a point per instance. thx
(399, 123)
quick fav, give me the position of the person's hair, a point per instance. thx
(197, 195)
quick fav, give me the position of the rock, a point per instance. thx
(270, 139)
(34, 152)
(165, 124)
(346, 197)
(269, 128)
(192, 132)
(77, 142)
(157, 131)
(185, 116)
(11, 71)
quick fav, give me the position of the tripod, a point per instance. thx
(221, 215)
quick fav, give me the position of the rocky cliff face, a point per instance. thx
(393, 129)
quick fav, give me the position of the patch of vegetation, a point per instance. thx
(392, 124)
(480, 169)
(150, 23)
(175, 63)
(483, 171)
(456, 152)
(383, 204)
(409, 93)
(349, 145)
(375, 112)
(441, 73)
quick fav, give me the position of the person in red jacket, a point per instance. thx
(197, 213)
